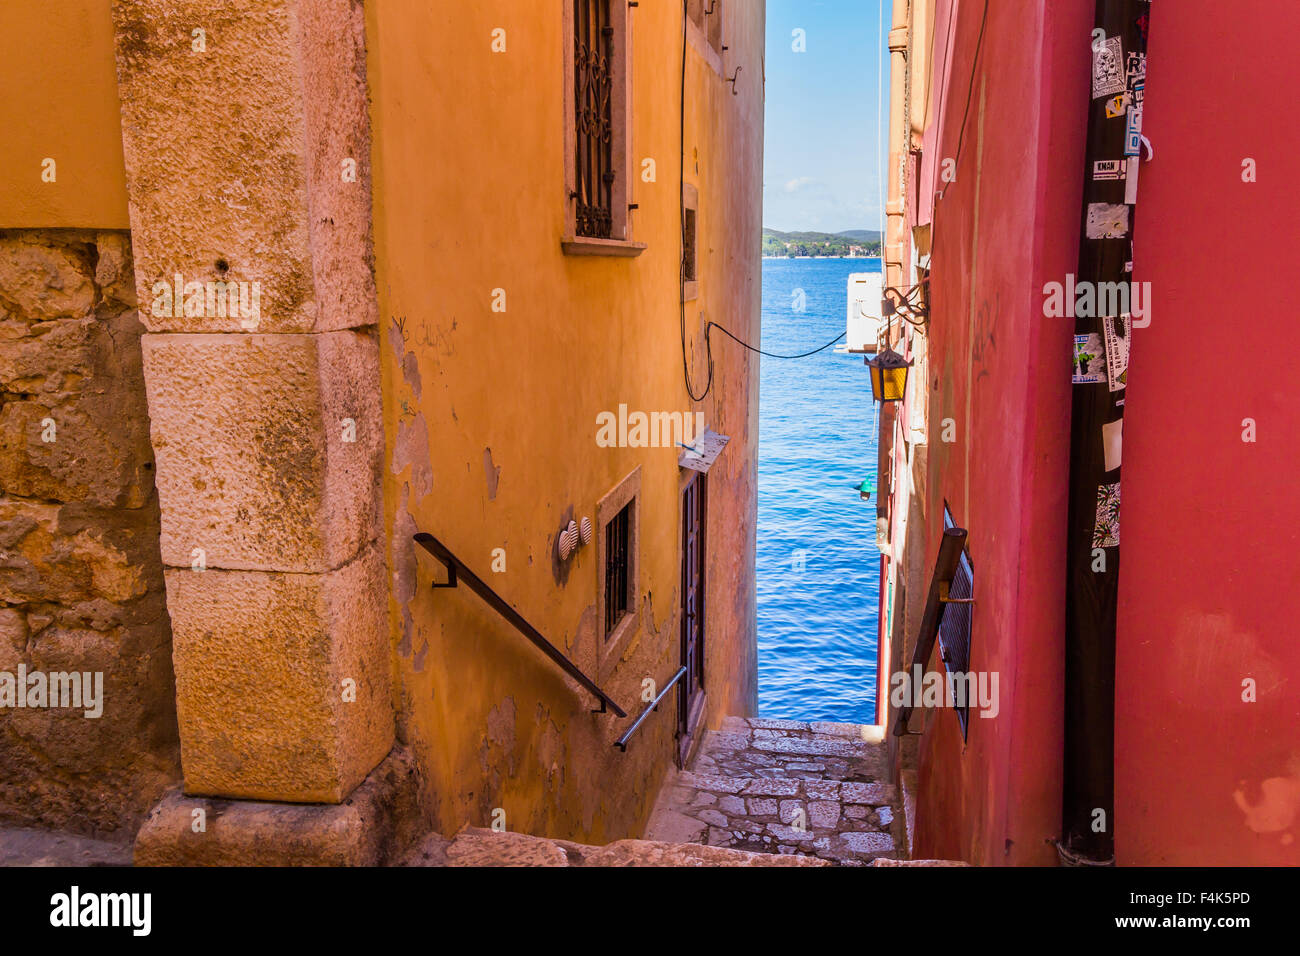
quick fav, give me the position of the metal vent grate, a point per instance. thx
(955, 626)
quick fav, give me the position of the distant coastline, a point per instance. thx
(851, 244)
(821, 257)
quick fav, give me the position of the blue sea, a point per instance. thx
(818, 566)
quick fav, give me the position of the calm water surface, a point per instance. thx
(818, 567)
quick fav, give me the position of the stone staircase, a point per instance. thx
(786, 787)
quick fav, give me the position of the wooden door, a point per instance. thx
(690, 700)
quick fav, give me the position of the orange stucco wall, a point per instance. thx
(490, 416)
(62, 105)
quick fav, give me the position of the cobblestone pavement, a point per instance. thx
(785, 786)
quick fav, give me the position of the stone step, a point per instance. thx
(747, 724)
(844, 822)
(787, 787)
(477, 847)
(757, 748)
(23, 846)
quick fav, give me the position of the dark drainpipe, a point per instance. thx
(1119, 45)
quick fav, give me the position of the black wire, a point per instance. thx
(714, 325)
(970, 90)
(681, 218)
(681, 270)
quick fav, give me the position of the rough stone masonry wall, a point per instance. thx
(81, 582)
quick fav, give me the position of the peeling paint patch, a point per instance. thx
(498, 742)
(493, 473)
(405, 571)
(397, 336)
(412, 448)
(411, 372)
(1278, 807)
(586, 651)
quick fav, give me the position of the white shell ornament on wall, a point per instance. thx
(568, 540)
(586, 533)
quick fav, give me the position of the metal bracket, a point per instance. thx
(904, 729)
(944, 599)
(451, 580)
(732, 80)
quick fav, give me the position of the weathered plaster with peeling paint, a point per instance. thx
(491, 415)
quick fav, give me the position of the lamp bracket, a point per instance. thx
(944, 599)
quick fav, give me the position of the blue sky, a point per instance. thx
(821, 142)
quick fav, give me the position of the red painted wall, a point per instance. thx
(1004, 228)
(1209, 534)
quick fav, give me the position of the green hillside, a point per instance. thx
(860, 242)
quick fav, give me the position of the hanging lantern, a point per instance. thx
(888, 375)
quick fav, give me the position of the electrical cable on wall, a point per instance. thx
(970, 90)
(961, 131)
(714, 325)
(681, 217)
(681, 271)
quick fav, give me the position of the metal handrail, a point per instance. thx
(457, 571)
(621, 743)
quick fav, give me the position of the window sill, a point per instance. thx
(583, 246)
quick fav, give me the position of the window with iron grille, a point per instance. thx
(617, 562)
(955, 627)
(618, 519)
(598, 120)
(593, 97)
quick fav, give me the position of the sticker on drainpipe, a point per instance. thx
(1089, 360)
(1118, 331)
(1108, 75)
(1105, 532)
(1112, 440)
(1106, 220)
